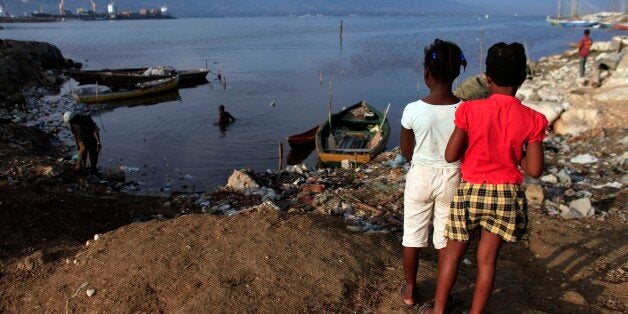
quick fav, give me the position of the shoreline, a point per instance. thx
(580, 199)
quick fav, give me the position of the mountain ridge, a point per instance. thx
(251, 8)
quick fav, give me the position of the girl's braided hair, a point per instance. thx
(443, 60)
(506, 64)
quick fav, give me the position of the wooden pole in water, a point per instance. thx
(280, 156)
(481, 48)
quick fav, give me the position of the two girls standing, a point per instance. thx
(482, 142)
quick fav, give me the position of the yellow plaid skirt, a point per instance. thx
(499, 208)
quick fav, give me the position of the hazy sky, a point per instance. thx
(536, 6)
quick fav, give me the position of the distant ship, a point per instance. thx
(112, 14)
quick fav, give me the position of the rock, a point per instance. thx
(575, 121)
(602, 46)
(564, 177)
(551, 110)
(90, 292)
(624, 141)
(567, 213)
(314, 188)
(397, 162)
(550, 178)
(574, 298)
(550, 94)
(472, 88)
(619, 93)
(525, 93)
(96, 237)
(240, 181)
(354, 228)
(46, 171)
(584, 159)
(535, 194)
(115, 174)
(582, 207)
(467, 262)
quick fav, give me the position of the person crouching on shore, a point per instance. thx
(431, 182)
(493, 137)
(87, 138)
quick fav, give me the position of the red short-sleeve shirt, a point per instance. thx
(498, 128)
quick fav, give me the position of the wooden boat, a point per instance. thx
(128, 78)
(621, 26)
(304, 138)
(356, 135)
(141, 90)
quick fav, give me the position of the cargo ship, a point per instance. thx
(112, 13)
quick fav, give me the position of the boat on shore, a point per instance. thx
(129, 78)
(357, 133)
(621, 26)
(140, 90)
(305, 138)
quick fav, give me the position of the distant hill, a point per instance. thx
(225, 8)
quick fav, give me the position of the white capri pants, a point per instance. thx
(427, 189)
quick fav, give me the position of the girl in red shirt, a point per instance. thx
(493, 137)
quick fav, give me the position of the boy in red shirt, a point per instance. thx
(584, 48)
(493, 137)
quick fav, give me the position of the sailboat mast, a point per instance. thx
(560, 9)
(574, 8)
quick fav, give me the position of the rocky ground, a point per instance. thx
(310, 239)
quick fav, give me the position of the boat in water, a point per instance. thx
(579, 23)
(305, 138)
(357, 133)
(97, 93)
(129, 78)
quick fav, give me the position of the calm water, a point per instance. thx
(265, 60)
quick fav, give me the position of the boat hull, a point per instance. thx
(129, 78)
(306, 138)
(362, 134)
(168, 85)
(578, 24)
(621, 26)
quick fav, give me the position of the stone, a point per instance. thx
(115, 174)
(90, 292)
(550, 94)
(240, 181)
(551, 110)
(582, 207)
(618, 93)
(564, 177)
(314, 188)
(567, 213)
(574, 298)
(584, 159)
(535, 194)
(602, 46)
(472, 88)
(525, 93)
(550, 178)
(576, 120)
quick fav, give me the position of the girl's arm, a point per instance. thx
(457, 145)
(534, 161)
(407, 143)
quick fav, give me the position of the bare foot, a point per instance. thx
(407, 296)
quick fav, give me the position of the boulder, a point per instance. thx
(525, 93)
(551, 110)
(241, 181)
(576, 120)
(472, 88)
(550, 94)
(619, 93)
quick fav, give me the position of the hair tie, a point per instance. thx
(434, 56)
(462, 58)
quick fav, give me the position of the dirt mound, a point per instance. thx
(261, 260)
(17, 140)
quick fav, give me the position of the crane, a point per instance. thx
(93, 5)
(61, 7)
